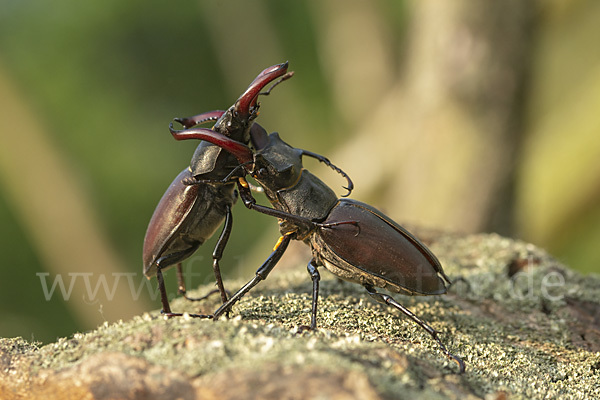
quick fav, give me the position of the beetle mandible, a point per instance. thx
(353, 240)
(187, 215)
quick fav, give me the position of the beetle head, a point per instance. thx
(277, 165)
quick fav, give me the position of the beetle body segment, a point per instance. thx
(185, 217)
(291, 188)
(310, 198)
(378, 252)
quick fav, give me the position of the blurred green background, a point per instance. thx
(466, 116)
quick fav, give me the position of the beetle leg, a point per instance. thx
(316, 277)
(180, 281)
(389, 300)
(182, 290)
(261, 274)
(326, 161)
(218, 252)
(166, 309)
(250, 203)
(206, 296)
(217, 255)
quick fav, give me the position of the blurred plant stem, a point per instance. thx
(445, 133)
(558, 190)
(54, 210)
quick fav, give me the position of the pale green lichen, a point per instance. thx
(515, 334)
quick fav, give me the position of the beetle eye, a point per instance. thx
(262, 172)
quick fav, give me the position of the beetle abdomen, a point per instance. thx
(183, 220)
(377, 251)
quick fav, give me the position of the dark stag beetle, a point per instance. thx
(187, 215)
(353, 240)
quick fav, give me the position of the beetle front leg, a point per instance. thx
(250, 203)
(389, 300)
(261, 275)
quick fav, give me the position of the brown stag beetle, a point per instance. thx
(187, 215)
(353, 240)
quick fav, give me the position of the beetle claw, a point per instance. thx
(460, 362)
(305, 328)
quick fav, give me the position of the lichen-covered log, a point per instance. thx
(526, 326)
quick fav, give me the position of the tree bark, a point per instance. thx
(525, 325)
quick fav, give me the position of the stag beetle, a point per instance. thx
(353, 240)
(187, 215)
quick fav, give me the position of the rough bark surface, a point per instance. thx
(526, 326)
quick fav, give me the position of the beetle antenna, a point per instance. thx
(326, 161)
(233, 171)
